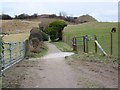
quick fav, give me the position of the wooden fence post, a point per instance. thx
(74, 44)
(111, 44)
(95, 38)
(84, 43)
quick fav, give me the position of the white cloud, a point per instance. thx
(110, 15)
(59, 1)
(102, 11)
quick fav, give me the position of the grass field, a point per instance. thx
(63, 46)
(16, 37)
(100, 29)
(18, 26)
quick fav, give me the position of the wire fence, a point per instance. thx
(109, 43)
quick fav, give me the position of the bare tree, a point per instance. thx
(63, 14)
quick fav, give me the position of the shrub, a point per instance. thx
(34, 45)
(45, 36)
(35, 33)
(55, 28)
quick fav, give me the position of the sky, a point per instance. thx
(102, 10)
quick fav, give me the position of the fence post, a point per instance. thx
(2, 56)
(84, 43)
(86, 39)
(26, 48)
(20, 48)
(74, 44)
(95, 38)
(10, 50)
(111, 44)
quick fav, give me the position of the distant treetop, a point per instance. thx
(5, 17)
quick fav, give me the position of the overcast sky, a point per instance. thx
(102, 10)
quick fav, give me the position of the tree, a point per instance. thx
(52, 16)
(35, 15)
(55, 29)
(22, 16)
(62, 15)
(5, 17)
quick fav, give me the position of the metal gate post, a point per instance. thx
(10, 50)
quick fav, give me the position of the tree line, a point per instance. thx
(62, 15)
(21, 16)
(26, 16)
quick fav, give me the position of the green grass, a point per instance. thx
(16, 37)
(63, 46)
(94, 58)
(100, 29)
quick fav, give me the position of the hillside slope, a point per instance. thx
(18, 26)
(86, 18)
(100, 29)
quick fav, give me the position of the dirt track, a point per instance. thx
(52, 72)
(57, 72)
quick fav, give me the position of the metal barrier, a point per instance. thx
(12, 53)
(78, 43)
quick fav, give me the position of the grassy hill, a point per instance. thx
(18, 26)
(23, 26)
(19, 30)
(86, 18)
(100, 29)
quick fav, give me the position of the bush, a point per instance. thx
(45, 36)
(34, 45)
(35, 33)
(55, 28)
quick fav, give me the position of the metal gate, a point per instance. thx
(11, 53)
(78, 43)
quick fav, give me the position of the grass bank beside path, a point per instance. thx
(100, 29)
(94, 58)
(63, 46)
